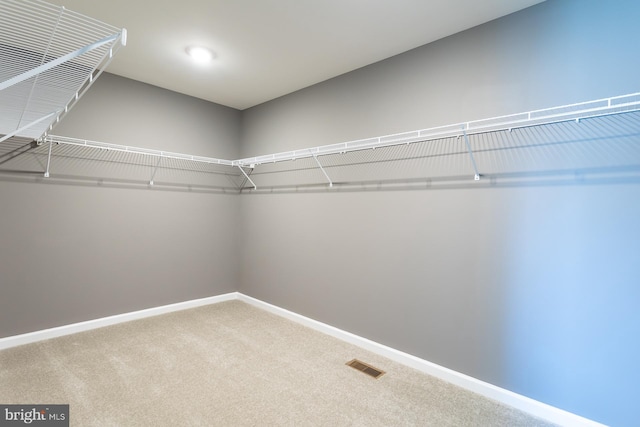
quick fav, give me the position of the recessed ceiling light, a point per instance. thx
(200, 54)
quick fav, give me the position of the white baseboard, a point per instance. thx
(523, 403)
(59, 331)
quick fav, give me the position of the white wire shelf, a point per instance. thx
(134, 150)
(49, 57)
(593, 137)
(582, 110)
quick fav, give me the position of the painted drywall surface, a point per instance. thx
(126, 112)
(83, 250)
(75, 253)
(554, 53)
(532, 288)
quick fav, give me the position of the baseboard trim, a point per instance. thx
(523, 403)
(518, 401)
(45, 334)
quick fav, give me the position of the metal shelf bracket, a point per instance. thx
(46, 173)
(321, 168)
(155, 169)
(255, 187)
(473, 160)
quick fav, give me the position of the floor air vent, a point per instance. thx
(367, 369)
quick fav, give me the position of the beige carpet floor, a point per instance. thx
(231, 364)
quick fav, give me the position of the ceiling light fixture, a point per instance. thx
(200, 54)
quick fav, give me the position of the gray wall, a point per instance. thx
(532, 288)
(126, 112)
(81, 251)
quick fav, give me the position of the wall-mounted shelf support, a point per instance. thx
(153, 175)
(255, 187)
(473, 160)
(46, 173)
(321, 168)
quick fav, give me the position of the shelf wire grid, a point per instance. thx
(34, 34)
(135, 168)
(600, 144)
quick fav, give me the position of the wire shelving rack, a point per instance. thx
(600, 137)
(49, 57)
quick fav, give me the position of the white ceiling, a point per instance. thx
(268, 48)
